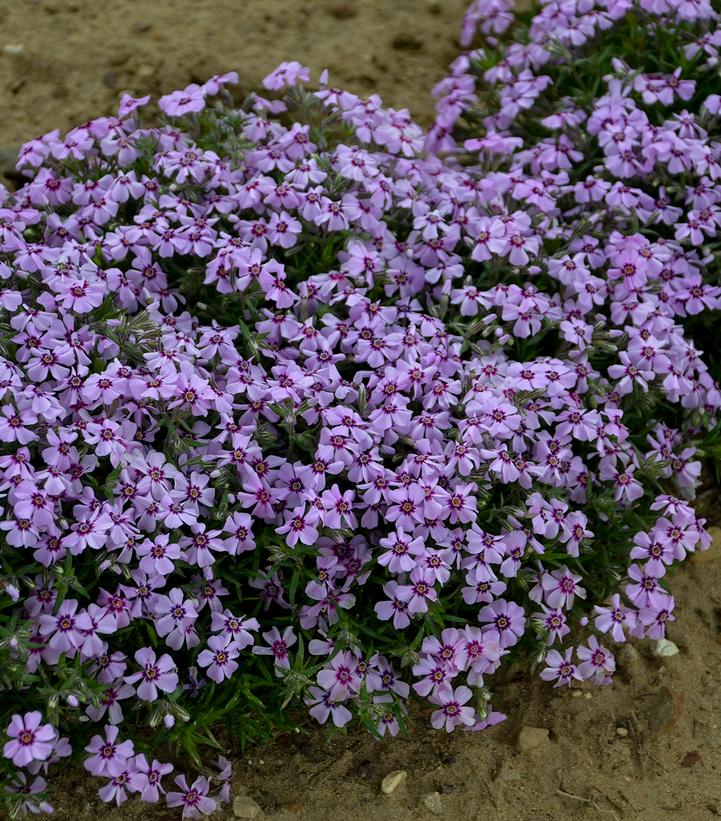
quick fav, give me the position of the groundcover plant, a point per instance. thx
(303, 412)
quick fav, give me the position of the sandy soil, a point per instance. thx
(647, 748)
(663, 765)
(65, 61)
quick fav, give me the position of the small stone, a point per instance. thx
(309, 751)
(144, 72)
(342, 9)
(507, 773)
(446, 789)
(576, 694)
(433, 803)
(365, 769)
(588, 696)
(245, 807)
(621, 732)
(392, 781)
(691, 758)
(8, 157)
(13, 49)
(110, 79)
(714, 550)
(141, 26)
(406, 42)
(663, 711)
(664, 648)
(629, 661)
(531, 738)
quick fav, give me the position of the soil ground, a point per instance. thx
(65, 61)
(647, 748)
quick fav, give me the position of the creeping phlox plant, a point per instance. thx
(296, 415)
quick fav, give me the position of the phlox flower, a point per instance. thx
(30, 740)
(340, 679)
(194, 800)
(148, 778)
(394, 607)
(66, 628)
(597, 664)
(191, 99)
(107, 755)
(20, 786)
(219, 658)
(127, 780)
(174, 615)
(615, 618)
(560, 668)
(277, 646)
(453, 711)
(561, 587)
(402, 553)
(156, 674)
(506, 621)
(419, 592)
(656, 615)
(287, 74)
(322, 707)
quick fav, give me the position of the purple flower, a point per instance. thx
(322, 706)
(434, 674)
(340, 679)
(656, 615)
(127, 780)
(401, 552)
(407, 507)
(561, 587)
(395, 607)
(194, 800)
(174, 618)
(554, 622)
(278, 645)
(561, 669)
(418, 593)
(149, 777)
(452, 712)
(301, 526)
(66, 628)
(157, 555)
(597, 664)
(287, 74)
(108, 757)
(461, 505)
(616, 618)
(219, 658)
(338, 509)
(156, 674)
(30, 740)
(190, 99)
(20, 786)
(506, 621)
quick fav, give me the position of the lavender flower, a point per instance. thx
(30, 740)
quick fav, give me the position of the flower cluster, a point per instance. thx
(618, 186)
(297, 414)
